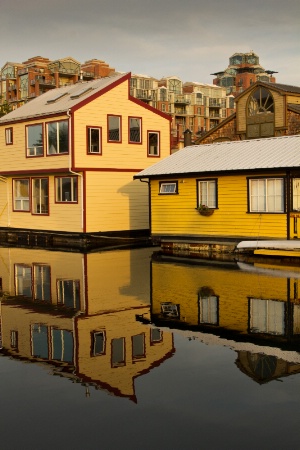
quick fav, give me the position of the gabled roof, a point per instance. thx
(267, 153)
(60, 100)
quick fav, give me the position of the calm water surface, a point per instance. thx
(129, 349)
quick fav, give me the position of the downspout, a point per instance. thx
(70, 165)
(149, 201)
(4, 180)
(288, 205)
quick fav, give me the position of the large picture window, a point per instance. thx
(66, 189)
(94, 140)
(153, 143)
(207, 193)
(21, 195)
(135, 130)
(40, 196)
(58, 137)
(114, 128)
(266, 195)
(35, 140)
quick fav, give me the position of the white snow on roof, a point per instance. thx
(267, 153)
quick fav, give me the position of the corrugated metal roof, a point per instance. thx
(267, 153)
(67, 97)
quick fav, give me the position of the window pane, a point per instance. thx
(114, 128)
(42, 288)
(62, 345)
(208, 193)
(35, 140)
(21, 195)
(296, 194)
(94, 140)
(66, 189)
(153, 144)
(40, 341)
(138, 346)
(40, 196)
(63, 137)
(23, 280)
(134, 130)
(118, 352)
(52, 138)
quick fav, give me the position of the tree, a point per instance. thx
(4, 107)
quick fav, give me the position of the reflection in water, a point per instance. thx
(78, 313)
(110, 322)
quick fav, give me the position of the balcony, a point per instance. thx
(22, 71)
(43, 81)
(181, 100)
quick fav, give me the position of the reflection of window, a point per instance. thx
(296, 194)
(58, 137)
(156, 335)
(135, 127)
(168, 187)
(62, 345)
(296, 317)
(23, 280)
(21, 195)
(14, 339)
(66, 189)
(68, 293)
(41, 278)
(138, 346)
(170, 309)
(94, 140)
(207, 193)
(114, 128)
(98, 343)
(8, 136)
(118, 352)
(40, 195)
(266, 195)
(266, 316)
(39, 338)
(35, 140)
(208, 310)
(153, 143)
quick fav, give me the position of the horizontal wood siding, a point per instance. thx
(62, 216)
(13, 156)
(118, 155)
(114, 202)
(176, 214)
(280, 110)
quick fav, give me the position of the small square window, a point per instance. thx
(168, 187)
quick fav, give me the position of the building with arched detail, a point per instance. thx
(263, 110)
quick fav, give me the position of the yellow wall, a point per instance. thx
(176, 214)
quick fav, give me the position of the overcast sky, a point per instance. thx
(187, 38)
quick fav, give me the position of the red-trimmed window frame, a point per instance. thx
(31, 192)
(26, 141)
(110, 141)
(56, 178)
(29, 195)
(88, 144)
(9, 136)
(148, 146)
(47, 140)
(129, 129)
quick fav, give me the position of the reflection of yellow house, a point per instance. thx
(69, 155)
(226, 300)
(80, 312)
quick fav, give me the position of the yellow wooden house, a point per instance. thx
(68, 157)
(237, 190)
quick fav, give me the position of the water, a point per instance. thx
(125, 349)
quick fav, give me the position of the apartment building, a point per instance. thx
(21, 82)
(243, 70)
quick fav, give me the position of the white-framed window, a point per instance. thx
(68, 293)
(66, 189)
(58, 137)
(98, 343)
(114, 128)
(267, 316)
(23, 280)
(207, 193)
(94, 140)
(153, 143)
(8, 136)
(40, 196)
(135, 130)
(170, 310)
(168, 187)
(21, 194)
(266, 195)
(208, 309)
(34, 136)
